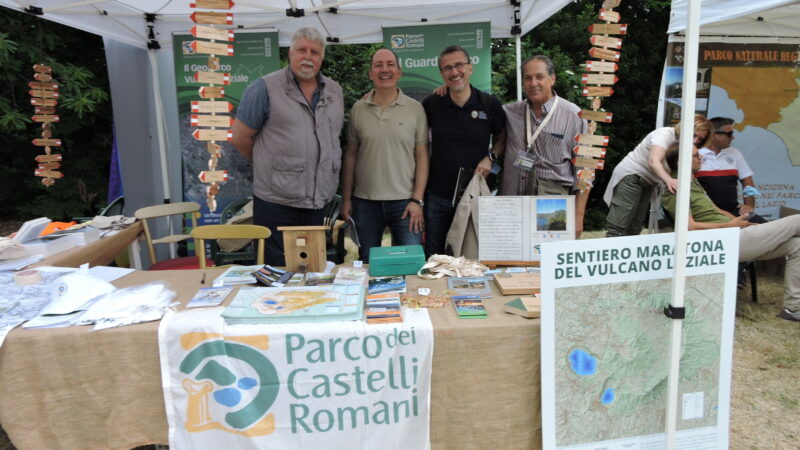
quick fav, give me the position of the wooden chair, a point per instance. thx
(170, 209)
(201, 233)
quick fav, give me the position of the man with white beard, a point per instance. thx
(288, 124)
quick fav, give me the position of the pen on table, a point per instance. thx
(203, 280)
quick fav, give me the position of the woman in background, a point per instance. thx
(638, 179)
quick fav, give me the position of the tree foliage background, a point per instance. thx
(85, 110)
(84, 126)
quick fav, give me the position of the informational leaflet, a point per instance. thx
(512, 228)
(606, 341)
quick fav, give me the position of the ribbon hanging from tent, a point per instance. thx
(597, 81)
(44, 98)
(210, 115)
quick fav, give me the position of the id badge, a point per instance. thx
(524, 162)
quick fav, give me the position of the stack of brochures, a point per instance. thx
(236, 275)
(350, 276)
(383, 308)
(386, 285)
(470, 286)
(273, 277)
(469, 307)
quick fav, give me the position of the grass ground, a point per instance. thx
(765, 404)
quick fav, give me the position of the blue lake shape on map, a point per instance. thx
(228, 397)
(582, 363)
(607, 397)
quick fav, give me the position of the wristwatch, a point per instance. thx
(419, 202)
(492, 157)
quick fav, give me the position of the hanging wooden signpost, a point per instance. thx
(590, 150)
(213, 113)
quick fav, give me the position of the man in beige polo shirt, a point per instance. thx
(385, 166)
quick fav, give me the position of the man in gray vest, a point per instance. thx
(288, 124)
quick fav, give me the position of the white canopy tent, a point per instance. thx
(763, 18)
(135, 28)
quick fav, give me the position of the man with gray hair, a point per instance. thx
(541, 134)
(288, 124)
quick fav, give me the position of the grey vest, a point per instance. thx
(296, 154)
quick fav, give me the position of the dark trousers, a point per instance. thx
(439, 212)
(373, 216)
(272, 216)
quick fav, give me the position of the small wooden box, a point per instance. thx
(304, 248)
(518, 283)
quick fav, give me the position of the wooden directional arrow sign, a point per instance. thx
(212, 107)
(43, 93)
(42, 85)
(42, 77)
(212, 48)
(591, 152)
(212, 4)
(48, 158)
(41, 68)
(49, 166)
(601, 66)
(212, 135)
(212, 92)
(608, 28)
(588, 163)
(204, 120)
(44, 118)
(604, 53)
(213, 78)
(48, 173)
(47, 142)
(609, 16)
(591, 139)
(44, 110)
(597, 91)
(216, 34)
(599, 78)
(597, 116)
(606, 41)
(212, 18)
(213, 176)
(609, 4)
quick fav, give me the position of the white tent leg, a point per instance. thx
(682, 209)
(162, 140)
(518, 42)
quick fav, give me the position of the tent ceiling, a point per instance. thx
(778, 18)
(353, 22)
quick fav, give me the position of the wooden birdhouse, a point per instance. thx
(304, 248)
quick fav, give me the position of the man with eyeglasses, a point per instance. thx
(541, 134)
(464, 123)
(723, 167)
(777, 239)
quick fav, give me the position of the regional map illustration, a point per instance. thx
(611, 381)
(309, 303)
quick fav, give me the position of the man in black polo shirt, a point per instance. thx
(464, 123)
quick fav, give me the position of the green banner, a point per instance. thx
(418, 48)
(255, 54)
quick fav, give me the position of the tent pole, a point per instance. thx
(682, 209)
(518, 42)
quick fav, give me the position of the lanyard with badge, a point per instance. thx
(526, 161)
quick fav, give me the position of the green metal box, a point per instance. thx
(401, 260)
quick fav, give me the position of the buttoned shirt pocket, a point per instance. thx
(287, 176)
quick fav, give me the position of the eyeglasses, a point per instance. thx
(456, 66)
(726, 133)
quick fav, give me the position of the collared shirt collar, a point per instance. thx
(548, 105)
(400, 100)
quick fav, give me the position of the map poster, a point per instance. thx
(606, 341)
(255, 54)
(758, 86)
(418, 48)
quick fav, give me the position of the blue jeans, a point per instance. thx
(439, 213)
(272, 216)
(372, 217)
